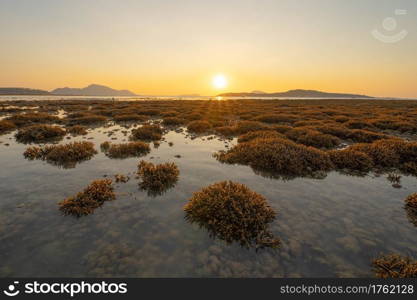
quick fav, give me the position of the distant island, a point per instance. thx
(22, 91)
(295, 94)
(92, 90)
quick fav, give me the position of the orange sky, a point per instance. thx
(176, 47)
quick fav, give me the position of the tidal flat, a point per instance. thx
(334, 215)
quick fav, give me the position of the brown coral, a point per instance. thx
(85, 202)
(234, 213)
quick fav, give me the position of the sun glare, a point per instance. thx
(219, 81)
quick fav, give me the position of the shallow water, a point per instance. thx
(331, 227)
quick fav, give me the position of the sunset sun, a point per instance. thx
(219, 81)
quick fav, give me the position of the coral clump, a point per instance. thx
(6, 126)
(147, 133)
(276, 118)
(67, 155)
(227, 131)
(130, 118)
(199, 126)
(105, 146)
(234, 213)
(121, 178)
(391, 153)
(394, 266)
(411, 202)
(172, 121)
(156, 179)
(32, 118)
(86, 119)
(351, 160)
(131, 149)
(77, 130)
(85, 202)
(313, 138)
(365, 136)
(411, 208)
(279, 156)
(39, 133)
(243, 127)
(259, 134)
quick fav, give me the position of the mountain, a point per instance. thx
(258, 92)
(296, 94)
(21, 91)
(189, 95)
(92, 90)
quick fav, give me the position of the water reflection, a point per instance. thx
(328, 227)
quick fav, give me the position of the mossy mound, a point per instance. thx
(147, 133)
(394, 266)
(132, 149)
(279, 156)
(67, 155)
(234, 213)
(39, 133)
(85, 202)
(156, 179)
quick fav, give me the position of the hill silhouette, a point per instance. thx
(92, 90)
(22, 91)
(296, 94)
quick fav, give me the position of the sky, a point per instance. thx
(173, 47)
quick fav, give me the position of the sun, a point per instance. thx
(219, 81)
